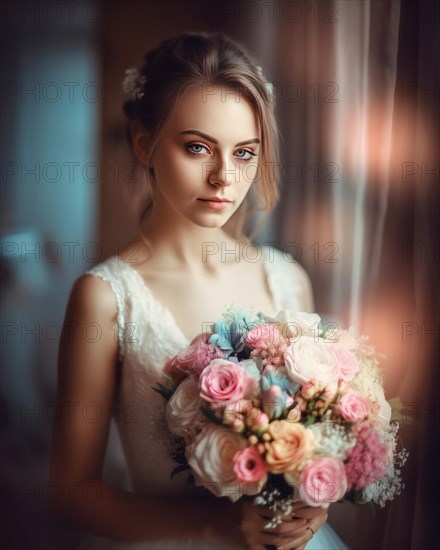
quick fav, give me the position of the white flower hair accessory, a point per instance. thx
(133, 83)
(269, 85)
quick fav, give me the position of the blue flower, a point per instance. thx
(283, 381)
(274, 392)
(230, 334)
(228, 337)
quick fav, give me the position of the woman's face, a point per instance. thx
(208, 149)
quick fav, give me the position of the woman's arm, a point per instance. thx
(86, 389)
(78, 497)
(87, 374)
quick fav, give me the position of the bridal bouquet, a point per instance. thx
(283, 409)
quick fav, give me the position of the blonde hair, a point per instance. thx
(209, 58)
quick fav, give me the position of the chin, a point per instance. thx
(213, 221)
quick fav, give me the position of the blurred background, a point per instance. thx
(357, 98)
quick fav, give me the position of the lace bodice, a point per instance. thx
(148, 336)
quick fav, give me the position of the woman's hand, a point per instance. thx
(247, 529)
(313, 518)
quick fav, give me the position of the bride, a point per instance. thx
(201, 124)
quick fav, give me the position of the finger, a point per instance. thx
(285, 520)
(300, 541)
(276, 539)
(290, 541)
(298, 506)
(290, 520)
(294, 544)
(264, 510)
(310, 512)
(292, 527)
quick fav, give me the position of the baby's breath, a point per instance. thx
(270, 497)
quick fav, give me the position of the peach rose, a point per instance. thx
(290, 447)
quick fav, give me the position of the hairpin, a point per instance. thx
(133, 83)
(269, 85)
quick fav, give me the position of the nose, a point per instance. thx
(221, 173)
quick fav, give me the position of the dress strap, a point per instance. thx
(283, 278)
(109, 272)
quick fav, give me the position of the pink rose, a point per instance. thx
(266, 332)
(172, 369)
(193, 359)
(345, 338)
(348, 364)
(249, 466)
(353, 406)
(202, 337)
(322, 481)
(310, 359)
(225, 382)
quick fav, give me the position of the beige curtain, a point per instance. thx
(358, 101)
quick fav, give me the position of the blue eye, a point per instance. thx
(244, 152)
(196, 148)
(200, 149)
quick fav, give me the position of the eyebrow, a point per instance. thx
(210, 138)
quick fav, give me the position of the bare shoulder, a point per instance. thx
(93, 296)
(87, 374)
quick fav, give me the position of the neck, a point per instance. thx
(182, 245)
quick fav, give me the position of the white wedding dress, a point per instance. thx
(148, 337)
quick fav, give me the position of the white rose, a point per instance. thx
(211, 455)
(183, 409)
(308, 359)
(298, 323)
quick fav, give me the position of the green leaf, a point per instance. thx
(179, 469)
(164, 391)
(191, 479)
(372, 507)
(180, 459)
(211, 416)
(309, 421)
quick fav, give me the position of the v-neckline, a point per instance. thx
(166, 311)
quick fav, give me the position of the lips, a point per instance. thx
(215, 199)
